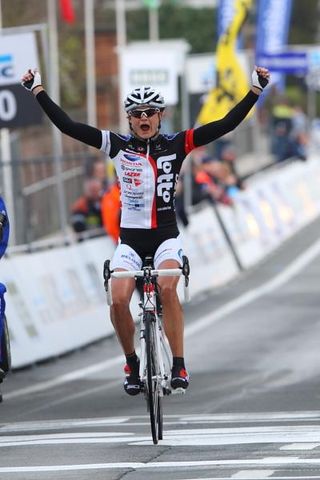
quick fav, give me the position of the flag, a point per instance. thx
(273, 22)
(67, 11)
(232, 83)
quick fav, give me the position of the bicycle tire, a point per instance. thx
(5, 363)
(153, 394)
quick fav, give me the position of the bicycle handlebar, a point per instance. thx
(169, 272)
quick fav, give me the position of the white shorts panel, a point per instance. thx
(125, 257)
(170, 249)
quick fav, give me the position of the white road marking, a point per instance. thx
(290, 271)
(170, 420)
(300, 446)
(185, 437)
(267, 462)
(66, 378)
(256, 477)
(63, 424)
(238, 436)
(253, 474)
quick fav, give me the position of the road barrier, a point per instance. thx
(56, 299)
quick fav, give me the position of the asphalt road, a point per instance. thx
(252, 409)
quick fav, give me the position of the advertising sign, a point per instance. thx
(143, 67)
(285, 62)
(17, 107)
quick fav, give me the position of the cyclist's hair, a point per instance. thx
(144, 96)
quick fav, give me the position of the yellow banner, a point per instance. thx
(232, 82)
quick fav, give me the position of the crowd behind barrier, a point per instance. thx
(56, 299)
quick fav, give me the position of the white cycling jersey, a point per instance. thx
(148, 172)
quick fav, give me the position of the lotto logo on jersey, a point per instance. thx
(165, 182)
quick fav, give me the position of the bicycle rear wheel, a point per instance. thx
(153, 387)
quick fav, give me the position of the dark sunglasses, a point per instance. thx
(149, 112)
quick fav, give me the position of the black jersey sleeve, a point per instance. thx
(80, 131)
(213, 130)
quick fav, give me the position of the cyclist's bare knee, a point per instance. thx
(122, 290)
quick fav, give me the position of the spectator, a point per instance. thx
(86, 210)
(208, 183)
(299, 133)
(99, 170)
(214, 177)
(228, 157)
(281, 128)
(111, 211)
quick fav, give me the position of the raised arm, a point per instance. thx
(92, 136)
(213, 130)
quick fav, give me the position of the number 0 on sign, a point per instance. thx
(8, 105)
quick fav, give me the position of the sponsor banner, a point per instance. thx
(61, 305)
(17, 53)
(17, 107)
(211, 261)
(273, 209)
(285, 62)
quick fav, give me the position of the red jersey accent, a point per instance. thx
(188, 144)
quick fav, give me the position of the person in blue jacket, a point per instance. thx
(4, 237)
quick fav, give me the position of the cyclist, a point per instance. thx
(147, 164)
(4, 236)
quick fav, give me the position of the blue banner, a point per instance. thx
(273, 25)
(273, 20)
(296, 63)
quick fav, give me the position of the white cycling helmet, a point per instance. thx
(144, 96)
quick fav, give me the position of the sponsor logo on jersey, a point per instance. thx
(132, 157)
(165, 181)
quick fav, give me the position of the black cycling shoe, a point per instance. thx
(132, 384)
(179, 379)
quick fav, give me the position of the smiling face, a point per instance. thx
(145, 121)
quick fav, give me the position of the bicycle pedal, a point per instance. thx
(178, 391)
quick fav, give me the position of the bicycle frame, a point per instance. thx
(155, 355)
(149, 304)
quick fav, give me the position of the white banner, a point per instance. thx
(143, 67)
(17, 53)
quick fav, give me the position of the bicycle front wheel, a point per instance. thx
(153, 386)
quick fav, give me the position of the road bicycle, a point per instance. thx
(155, 355)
